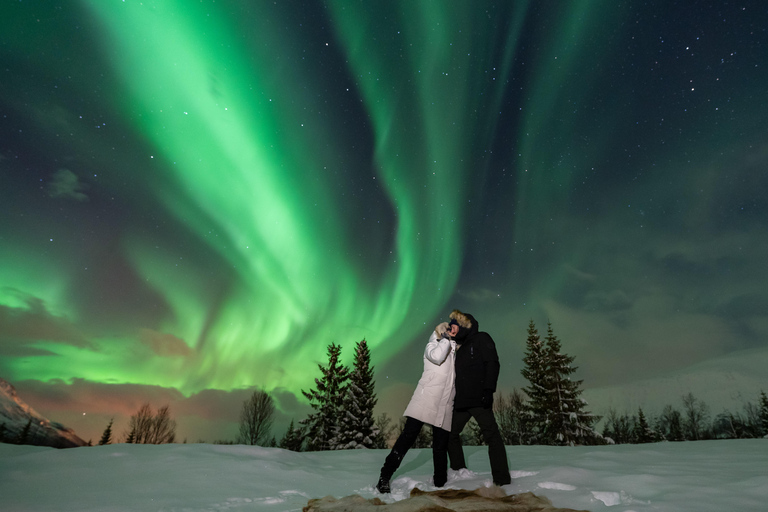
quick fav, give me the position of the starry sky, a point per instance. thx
(196, 198)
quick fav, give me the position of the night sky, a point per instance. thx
(196, 198)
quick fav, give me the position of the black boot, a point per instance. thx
(383, 485)
(391, 464)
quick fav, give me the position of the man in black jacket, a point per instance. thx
(477, 370)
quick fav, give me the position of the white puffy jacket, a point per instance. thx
(432, 402)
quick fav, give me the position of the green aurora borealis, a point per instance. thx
(201, 196)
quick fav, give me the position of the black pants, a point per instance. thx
(492, 437)
(405, 442)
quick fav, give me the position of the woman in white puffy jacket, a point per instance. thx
(432, 403)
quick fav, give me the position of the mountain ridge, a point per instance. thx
(16, 414)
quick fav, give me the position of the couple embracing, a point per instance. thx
(461, 368)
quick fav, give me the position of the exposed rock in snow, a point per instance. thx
(447, 500)
(15, 415)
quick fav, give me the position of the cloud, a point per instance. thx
(34, 323)
(215, 404)
(164, 345)
(479, 295)
(88, 406)
(65, 184)
(612, 300)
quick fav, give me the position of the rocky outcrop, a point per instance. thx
(446, 500)
(16, 415)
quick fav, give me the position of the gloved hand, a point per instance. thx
(487, 400)
(441, 329)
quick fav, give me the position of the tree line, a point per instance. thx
(549, 410)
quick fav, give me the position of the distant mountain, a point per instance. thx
(15, 415)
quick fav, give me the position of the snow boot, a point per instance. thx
(383, 486)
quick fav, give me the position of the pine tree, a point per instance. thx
(2, 432)
(618, 427)
(131, 438)
(326, 400)
(569, 423)
(764, 413)
(293, 439)
(357, 428)
(385, 428)
(535, 370)
(23, 437)
(643, 433)
(106, 437)
(472, 435)
(510, 415)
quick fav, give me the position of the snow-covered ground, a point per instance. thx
(689, 476)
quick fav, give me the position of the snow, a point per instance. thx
(15, 414)
(685, 476)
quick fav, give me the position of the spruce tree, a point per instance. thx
(764, 413)
(618, 427)
(569, 423)
(106, 437)
(322, 425)
(293, 439)
(644, 433)
(509, 411)
(472, 435)
(23, 437)
(384, 430)
(535, 370)
(357, 428)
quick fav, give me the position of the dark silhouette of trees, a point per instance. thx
(322, 425)
(535, 371)
(512, 418)
(471, 435)
(555, 410)
(385, 431)
(569, 423)
(148, 427)
(256, 419)
(618, 427)
(695, 417)
(23, 437)
(670, 424)
(643, 432)
(106, 437)
(293, 439)
(691, 425)
(357, 428)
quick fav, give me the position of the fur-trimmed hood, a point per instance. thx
(467, 325)
(462, 319)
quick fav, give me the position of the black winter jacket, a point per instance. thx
(477, 366)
